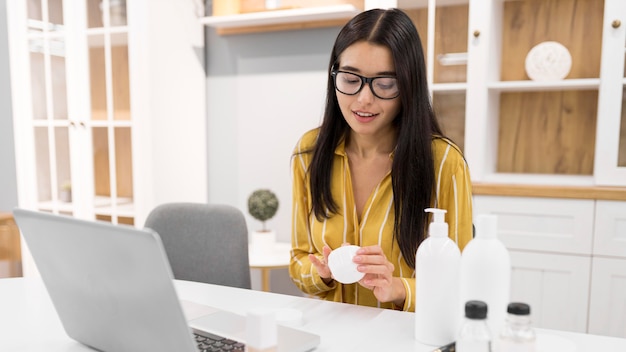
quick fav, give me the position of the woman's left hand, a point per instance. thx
(379, 275)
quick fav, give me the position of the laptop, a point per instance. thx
(112, 287)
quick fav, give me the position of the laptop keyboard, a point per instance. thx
(208, 342)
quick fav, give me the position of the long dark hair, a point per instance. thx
(412, 171)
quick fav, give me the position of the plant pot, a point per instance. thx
(65, 196)
(263, 241)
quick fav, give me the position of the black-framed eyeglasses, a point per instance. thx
(383, 87)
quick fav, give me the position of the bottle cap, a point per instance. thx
(517, 308)
(476, 310)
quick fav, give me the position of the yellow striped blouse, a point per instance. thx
(453, 192)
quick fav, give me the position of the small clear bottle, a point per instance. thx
(474, 335)
(518, 334)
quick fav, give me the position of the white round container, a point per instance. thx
(341, 265)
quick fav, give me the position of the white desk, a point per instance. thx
(276, 258)
(28, 322)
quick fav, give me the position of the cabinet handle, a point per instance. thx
(476, 33)
(82, 124)
(72, 124)
(616, 23)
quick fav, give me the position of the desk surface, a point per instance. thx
(29, 323)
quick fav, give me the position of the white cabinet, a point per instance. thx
(544, 156)
(514, 129)
(555, 286)
(550, 241)
(568, 258)
(607, 307)
(542, 224)
(108, 100)
(552, 132)
(610, 229)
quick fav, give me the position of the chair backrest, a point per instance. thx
(204, 242)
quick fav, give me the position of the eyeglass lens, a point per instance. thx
(350, 84)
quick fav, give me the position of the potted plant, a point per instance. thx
(65, 192)
(262, 205)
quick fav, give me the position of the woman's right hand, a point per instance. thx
(322, 265)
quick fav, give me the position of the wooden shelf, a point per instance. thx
(576, 192)
(534, 86)
(449, 87)
(277, 19)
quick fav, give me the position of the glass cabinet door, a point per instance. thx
(49, 123)
(109, 90)
(77, 122)
(610, 166)
(538, 116)
(443, 33)
(547, 124)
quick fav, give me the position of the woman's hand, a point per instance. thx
(322, 265)
(379, 275)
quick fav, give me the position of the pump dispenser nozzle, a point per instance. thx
(438, 227)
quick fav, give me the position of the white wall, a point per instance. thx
(263, 92)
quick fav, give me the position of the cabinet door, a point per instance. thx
(541, 130)
(42, 126)
(110, 123)
(541, 224)
(108, 97)
(555, 286)
(610, 229)
(69, 62)
(443, 33)
(607, 310)
(610, 166)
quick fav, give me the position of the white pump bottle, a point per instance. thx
(437, 312)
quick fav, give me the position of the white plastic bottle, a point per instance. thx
(486, 272)
(437, 312)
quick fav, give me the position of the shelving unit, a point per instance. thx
(541, 154)
(94, 100)
(539, 86)
(547, 157)
(275, 17)
(237, 17)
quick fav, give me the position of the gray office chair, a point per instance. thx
(203, 242)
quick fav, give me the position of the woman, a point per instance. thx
(379, 159)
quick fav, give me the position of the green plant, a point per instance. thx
(262, 205)
(66, 186)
